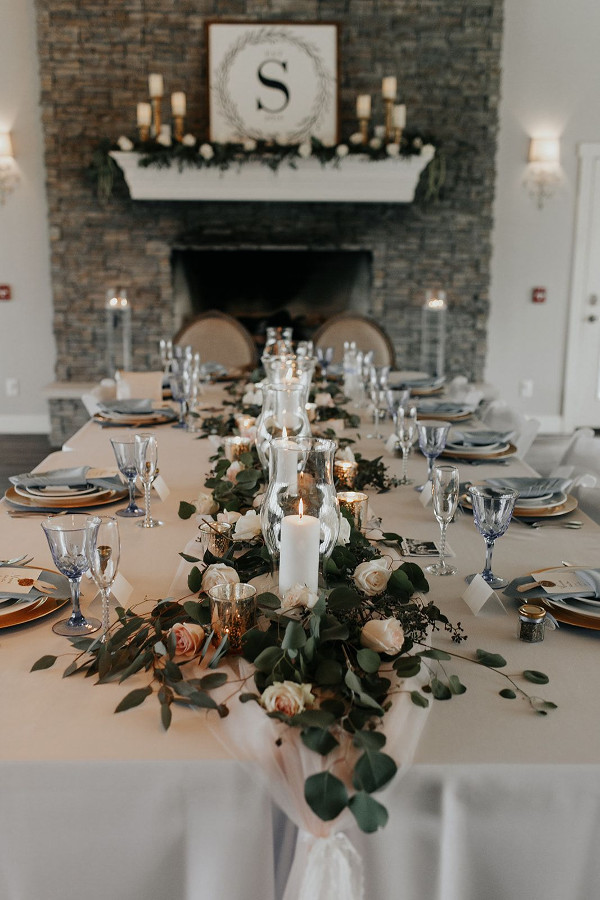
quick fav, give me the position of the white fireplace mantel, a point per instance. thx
(355, 180)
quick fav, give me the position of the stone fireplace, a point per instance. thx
(95, 58)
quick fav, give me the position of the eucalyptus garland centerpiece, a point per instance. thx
(328, 665)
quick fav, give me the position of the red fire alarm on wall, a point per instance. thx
(538, 295)
(5, 292)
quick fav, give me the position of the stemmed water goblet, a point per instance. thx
(406, 432)
(146, 459)
(432, 440)
(103, 558)
(377, 397)
(445, 489)
(178, 382)
(124, 451)
(492, 511)
(324, 356)
(166, 354)
(71, 540)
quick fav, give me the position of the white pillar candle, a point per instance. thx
(299, 557)
(363, 106)
(144, 115)
(155, 85)
(388, 88)
(178, 106)
(399, 115)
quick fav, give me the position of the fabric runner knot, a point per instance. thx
(334, 869)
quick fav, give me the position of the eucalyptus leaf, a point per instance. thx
(508, 694)
(493, 660)
(432, 653)
(326, 795)
(44, 662)
(368, 812)
(318, 739)
(440, 690)
(195, 580)
(269, 658)
(416, 576)
(353, 681)
(189, 558)
(336, 707)
(186, 510)
(373, 770)
(407, 666)
(329, 671)
(165, 715)
(212, 681)
(134, 698)
(343, 599)
(455, 685)
(197, 611)
(266, 600)
(294, 637)
(368, 660)
(70, 670)
(418, 699)
(535, 677)
(246, 698)
(374, 740)
(317, 718)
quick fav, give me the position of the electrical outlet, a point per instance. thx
(11, 386)
(526, 388)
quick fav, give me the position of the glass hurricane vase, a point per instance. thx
(284, 407)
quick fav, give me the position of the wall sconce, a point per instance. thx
(8, 171)
(543, 171)
(433, 332)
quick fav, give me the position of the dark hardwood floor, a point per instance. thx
(20, 453)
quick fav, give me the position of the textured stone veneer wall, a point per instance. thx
(95, 57)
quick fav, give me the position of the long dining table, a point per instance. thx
(499, 802)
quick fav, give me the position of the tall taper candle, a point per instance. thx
(155, 85)
(299, 556)
(389, 86)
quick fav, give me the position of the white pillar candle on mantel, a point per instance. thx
(388, 88)
(155, 85)
(363, 106)
(144, 115)
(178, 105)
(399, 115)
(299, 556)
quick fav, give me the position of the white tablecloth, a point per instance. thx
(500, 803)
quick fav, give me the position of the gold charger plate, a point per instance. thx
(528, 513)
(45, 606)
(83, 502)
(562, 614)
(498, 454)
(452, 417)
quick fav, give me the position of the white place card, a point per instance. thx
(160, 486)
(17, 581)
(479, 595)
(121, 589)
(426, 495)
(562, 581)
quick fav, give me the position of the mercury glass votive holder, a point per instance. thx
(345, 472)
(356, 504)
(215, 537)
(245, 425)
(235, 446)
(232, 612)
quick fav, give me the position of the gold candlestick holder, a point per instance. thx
(364, 129)
(398, 135)
(355, 503)
(144, 133)
(178, 123)
(156, 114)
(389, 119)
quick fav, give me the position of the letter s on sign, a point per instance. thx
(274, 84)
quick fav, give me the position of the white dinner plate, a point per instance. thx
(56, 492)
(546, 501)
(478, 449)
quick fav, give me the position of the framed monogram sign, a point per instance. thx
(273, 81)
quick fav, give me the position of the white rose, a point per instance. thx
(206, 152)
(323, 399)
(305, 150)
(218, 573)
(164, 139)
(344, 535)
(392, 149)
(383, 635)
(232, 472)
(252, 398)
(379, 131)
(429, 149)
(356, 138)
(249, 145)
(287, 697)
(205, 503)
(375, 143)
(346, 454)
(124, 143)
(299, 595)
(230, 516)
(258, 500)
(189, 640)
(247, 527)
(371, 577)
(341, 150)
(188, 140)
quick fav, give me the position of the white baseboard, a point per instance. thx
(550, 424)
(25, 424)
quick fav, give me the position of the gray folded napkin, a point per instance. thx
(130, 407)
(34, 594)
(530, 488)
(590, 576)
(479, 438)
(72, 478)
(435, 406)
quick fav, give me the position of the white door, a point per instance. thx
(582, 381)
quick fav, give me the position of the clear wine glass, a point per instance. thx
(103, 558)
(324, 356)
(396, 398)
(146, 459)
(71, 540)
(166, 354)
(124, 451)
(445, 488)
(492, 511)
(406, 431)
(432, 440)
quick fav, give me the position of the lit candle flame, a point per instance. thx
(284, 433)
(300, 509)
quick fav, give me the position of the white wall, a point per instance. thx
(550, 81)
(26, 341)
(551, 73)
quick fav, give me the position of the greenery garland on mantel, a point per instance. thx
(192, 153)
